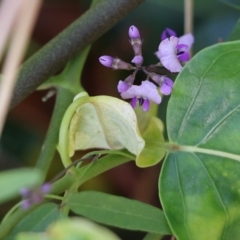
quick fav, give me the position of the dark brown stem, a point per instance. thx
(54, 55)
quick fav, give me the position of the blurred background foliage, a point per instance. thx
(27, 124)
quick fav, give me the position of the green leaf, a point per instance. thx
(12, 181)
(37, 220)
(72, 229)
(118, 211)
(232, 3)
(235, 34)
(154, 140)
(199, 191)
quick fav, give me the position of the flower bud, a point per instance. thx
(135, 40)
(33, 196)
(114, 63)
(106, 61)
(133, 32)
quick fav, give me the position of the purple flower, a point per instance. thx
(126, 84)
(144, 93)
(166, 86)
(167, 33)
(114, 63)
(173, 50)
(34, 195)
(136, 42)
(165, 83)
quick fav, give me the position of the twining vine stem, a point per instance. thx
(55, 54)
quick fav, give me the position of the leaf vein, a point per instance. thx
(112, 211)
(184, 207)
(218, 194)
(216, 126)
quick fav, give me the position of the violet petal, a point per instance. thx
(184, 57)
(46, 188)
(24, 192)
(182, 47)
(150, 92)
(26, 204)
(122, 86)
(134, 102)
(167, 33)
(167, 54)
(168, 81)
(165, 89)
(187, 39)
(145, 90)
(146, 105)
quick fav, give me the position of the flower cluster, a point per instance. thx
(34, 195)
(172, 52)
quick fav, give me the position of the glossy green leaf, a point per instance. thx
(235, 34)
(118, 211)
(12, 181)
(232, 3)
(37, 220)
(200, 192)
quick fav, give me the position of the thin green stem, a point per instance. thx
(63, 100)
(64, 208)
(210, 152)
(52, 196)
(11, 211)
